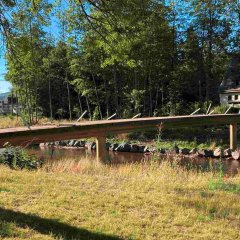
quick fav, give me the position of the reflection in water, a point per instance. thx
(229, 166)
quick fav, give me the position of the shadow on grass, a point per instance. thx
(50, 226)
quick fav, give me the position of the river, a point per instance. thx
(228, 166)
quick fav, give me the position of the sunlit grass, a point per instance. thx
(90, 200)
(8, 121)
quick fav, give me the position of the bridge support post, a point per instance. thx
(233, 136)
(101, 148)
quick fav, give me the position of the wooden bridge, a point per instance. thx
(99, 129)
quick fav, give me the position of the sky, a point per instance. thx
(4, 85)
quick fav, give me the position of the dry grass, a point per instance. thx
(9, 121)
(86, 200)
(13, 121)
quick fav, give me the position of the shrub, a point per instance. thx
(18, 158)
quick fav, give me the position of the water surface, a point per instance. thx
(228, 166)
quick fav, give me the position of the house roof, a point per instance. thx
(232, 90)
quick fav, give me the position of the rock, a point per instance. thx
(193, 151)
(134, 148)
(146, 149)
(77, 143)
(174, 150)
(205, 153)
(82, 143)
(113, 146)
(91, 145)
(218, 152)
(162, 150)
(152, 149)
(227, 152)
(184, 151)
(50, 144)
(123, 147)
(141, 149)
(108, 145)
(236, 155)
(63, 143)
(94, 146)
(71, 143)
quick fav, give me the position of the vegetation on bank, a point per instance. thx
(18, 158)
(133, 201)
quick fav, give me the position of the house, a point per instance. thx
(7, 103)
(230, 86)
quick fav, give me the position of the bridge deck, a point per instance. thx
(98, 129)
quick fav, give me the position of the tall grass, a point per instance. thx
(85, 199)
(9, 121)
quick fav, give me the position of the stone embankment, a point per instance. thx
(135, 148)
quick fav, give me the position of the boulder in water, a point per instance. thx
(227, 153)
(123, 147)
(218, 152)
(184, 151)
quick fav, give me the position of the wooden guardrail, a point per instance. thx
(99, 129)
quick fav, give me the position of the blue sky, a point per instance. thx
(4, 85)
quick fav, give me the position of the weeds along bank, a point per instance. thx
(132, 201)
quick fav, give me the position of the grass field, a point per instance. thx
(132, 201)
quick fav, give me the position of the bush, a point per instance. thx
(18, 158)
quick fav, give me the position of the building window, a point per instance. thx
(229, 97)
(236, 97)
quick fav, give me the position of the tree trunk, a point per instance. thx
(106, 97)
(50, 98)
(89, 110)
(116, 91)
(80, 104)
(98, 102)
(150, 94)
(69, 100)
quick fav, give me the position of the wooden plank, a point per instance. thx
(233, 136)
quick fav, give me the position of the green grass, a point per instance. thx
(86, 200)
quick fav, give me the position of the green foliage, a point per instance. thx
(96, 115)
(126, 56)
(18, 158)
(221, 109)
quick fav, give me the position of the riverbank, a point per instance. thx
(131, 201)
(150, 147)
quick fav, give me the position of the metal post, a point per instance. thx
(112, 116)
(233, 136)
(136, 116)
(82, 115)
(101, 148)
